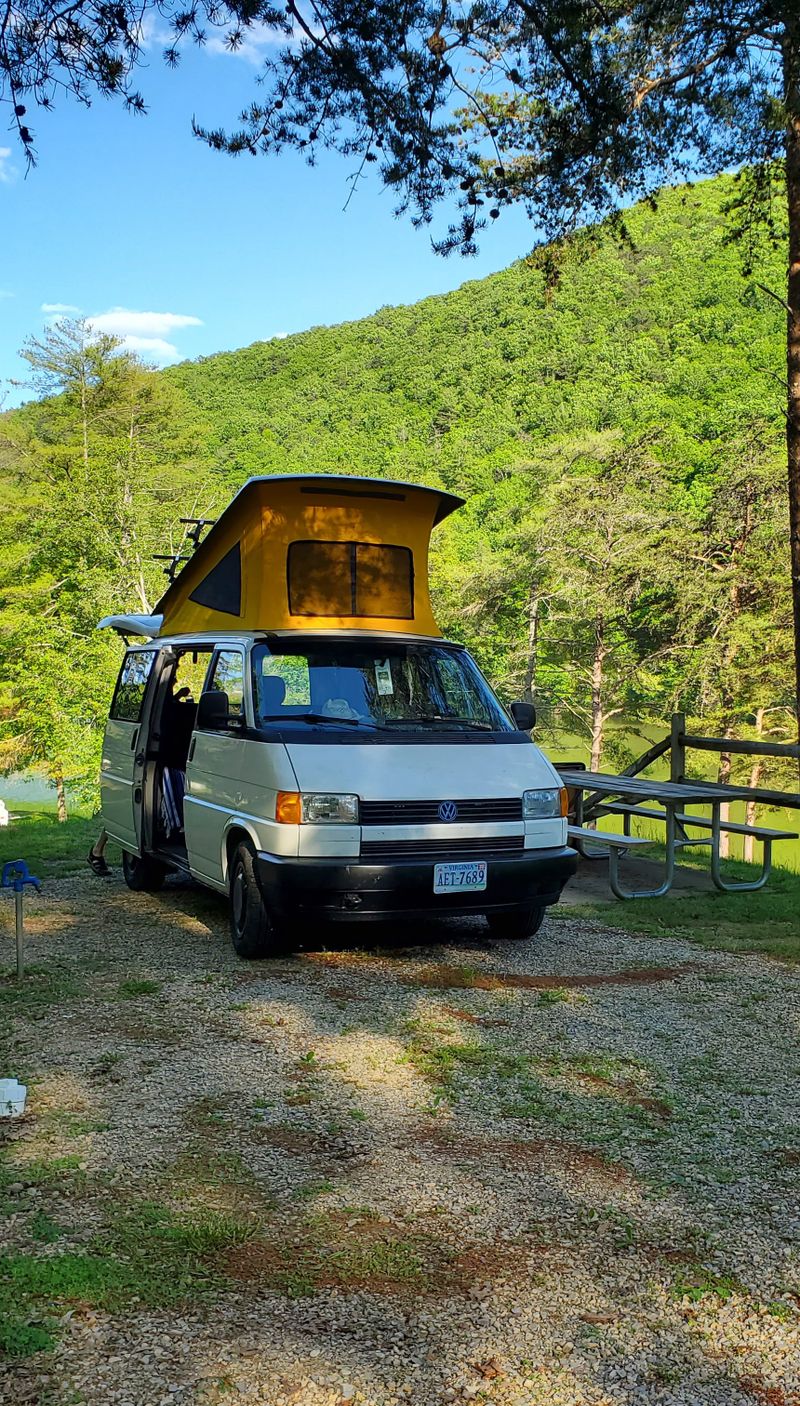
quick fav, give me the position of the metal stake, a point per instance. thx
(20, 933)
(15, 876)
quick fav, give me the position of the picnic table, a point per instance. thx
(625, 796)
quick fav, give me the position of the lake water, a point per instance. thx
(560, 748)
(700, 765)
(26, 786)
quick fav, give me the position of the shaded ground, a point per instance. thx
(442, 1168)
(591, 882)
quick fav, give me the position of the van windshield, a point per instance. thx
(392, 687)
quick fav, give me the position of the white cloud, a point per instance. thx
(7, 171)
(256, 40)
(154, 347)
(124, 322)
(150, 33)
(58, 309)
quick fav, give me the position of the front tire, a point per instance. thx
(253, 932)
(141, 873)
(516, 926)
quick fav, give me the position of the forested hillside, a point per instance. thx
(612, 411)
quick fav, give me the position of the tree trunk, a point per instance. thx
(533, 645)
(723, 777)
(791, 73)
(84, 408)
(597, 693)
(756, 774)
(61, 797)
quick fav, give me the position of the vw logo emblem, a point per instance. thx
(448, 810)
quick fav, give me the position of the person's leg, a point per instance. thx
(96, 857)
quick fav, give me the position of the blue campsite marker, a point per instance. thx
(15, 876)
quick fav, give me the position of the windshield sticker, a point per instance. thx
(383, 676)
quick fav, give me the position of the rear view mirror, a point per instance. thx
(524, 715)
(212, 710)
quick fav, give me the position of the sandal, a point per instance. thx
(98, 865)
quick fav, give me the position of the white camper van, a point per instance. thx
(293, 731)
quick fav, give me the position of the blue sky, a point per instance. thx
(133, 221)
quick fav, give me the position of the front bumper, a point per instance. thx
(354, 892)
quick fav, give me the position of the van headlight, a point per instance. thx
(316, 808)
(545, 805)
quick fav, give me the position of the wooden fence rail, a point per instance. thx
(678, 742)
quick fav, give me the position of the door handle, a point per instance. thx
(191, 750)
(134, 739)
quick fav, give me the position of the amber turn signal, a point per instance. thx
(564, 801)
(288, 808)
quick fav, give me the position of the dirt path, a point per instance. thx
(556, 1172)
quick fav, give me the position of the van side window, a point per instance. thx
(227, 675)
(126, 704)
(280, 684)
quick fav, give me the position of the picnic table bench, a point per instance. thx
(674, 796)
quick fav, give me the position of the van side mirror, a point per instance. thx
(212, 710)
(524, 715)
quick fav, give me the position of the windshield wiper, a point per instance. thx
(315, 718)
(439, 721)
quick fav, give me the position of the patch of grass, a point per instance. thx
(553, 996)
(326, 1259)
(69, 1124)
(196, 1233)
(149, 1255)
(767, 921)
(780, 1310)
(664, 1374)
(385, 1259)
(695, 1282)
(19, 1338)
(39, 988)
(43, 1172)
(49, 847)
(129, 989)
(41, 1227)
(208, 1112)
(439, 1060)
(310, 1189)
(598, 1065)
(500, 1080)
(104, 1063)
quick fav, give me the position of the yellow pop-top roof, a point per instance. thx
(312, 551)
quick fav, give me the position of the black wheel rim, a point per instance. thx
(239, 898)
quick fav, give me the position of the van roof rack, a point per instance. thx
(199, 525)
(175, 560)
(196, 526)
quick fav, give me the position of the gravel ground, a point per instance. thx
(561, 1171)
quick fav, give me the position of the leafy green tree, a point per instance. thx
(612, 542)
(93, 478)
(519, 392)
(569, 106)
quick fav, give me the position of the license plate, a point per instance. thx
(458, 878)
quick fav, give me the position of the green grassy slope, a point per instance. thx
(664, 338)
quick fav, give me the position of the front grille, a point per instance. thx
(483, 848)
(427, 812)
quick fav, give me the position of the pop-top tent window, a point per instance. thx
(343, 579)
